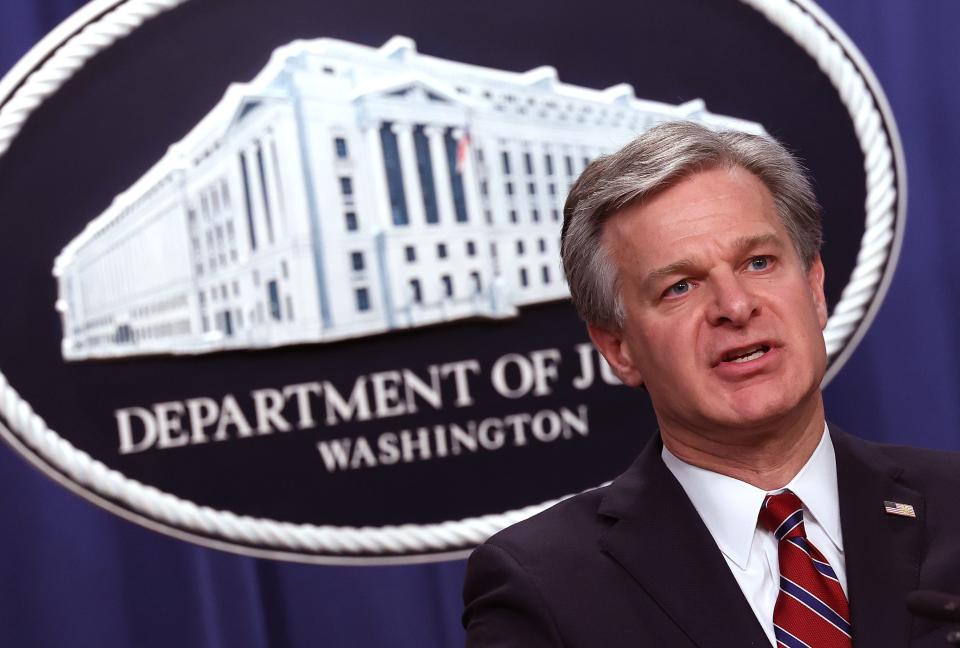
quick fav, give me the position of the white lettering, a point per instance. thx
(304, 410)
(169, 432)
(232, 415)
(335, 454)
(545, 364)
(268, 404)
(358, 405)
(498, 375)
(414, 386)
(202, 412)
(127, 443)
(460, 378)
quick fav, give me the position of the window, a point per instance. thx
(416, 295)
(513, 215)
(356, 261)
(569, 164)
(411, 253)
(284, 269)
(505, 162)
(340, 146)
(528, 163)
(535, 215)
(391, 164)
(441, 250)
(447, 281)
(555, 213)
(363, 299)
(488, 217)
(542, 244)
(484, 187)
(273, 296)
(421, 146)
(524, 281)
(548, 163)
(475, 278)
(531, 188)
(471, 248)
(520, 248)
(346, 186)
(264, 192)
(545, 273)
(452, 145)
(289, 302)
(508, 187)
(350, 220)
(552, 189)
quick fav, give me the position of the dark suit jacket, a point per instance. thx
(633, 565)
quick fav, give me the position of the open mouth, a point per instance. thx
(745, 354)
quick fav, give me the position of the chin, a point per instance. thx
(750, 410)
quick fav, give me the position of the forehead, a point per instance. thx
(704, 213)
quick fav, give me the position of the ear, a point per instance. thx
(815, 277)
(611, 346)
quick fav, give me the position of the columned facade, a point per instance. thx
(345, 191)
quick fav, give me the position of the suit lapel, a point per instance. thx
(882, 551)
(661, 541)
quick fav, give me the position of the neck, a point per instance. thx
(767, 456)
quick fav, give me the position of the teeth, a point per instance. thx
(747, 358)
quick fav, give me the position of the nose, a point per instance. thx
(732, 301)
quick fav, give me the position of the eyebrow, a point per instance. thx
(740, 247)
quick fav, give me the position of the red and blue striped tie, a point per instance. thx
(811, 609)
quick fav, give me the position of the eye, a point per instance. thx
(677, 289)
(760, 263)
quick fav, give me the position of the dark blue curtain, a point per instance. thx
(73, 575)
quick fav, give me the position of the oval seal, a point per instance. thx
(287, 278)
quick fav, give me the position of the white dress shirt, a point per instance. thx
(730, 509)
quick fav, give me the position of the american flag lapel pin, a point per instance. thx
(896, 508)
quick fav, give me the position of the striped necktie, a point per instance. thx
(811, 609)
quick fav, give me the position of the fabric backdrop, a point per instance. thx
(74, 575)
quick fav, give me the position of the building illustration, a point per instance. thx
(345, 191)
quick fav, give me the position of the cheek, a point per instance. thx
(671, 345)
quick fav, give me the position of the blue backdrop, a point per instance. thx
(73, 575)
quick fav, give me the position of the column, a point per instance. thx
(383, 220)
(441, 175)
(411, 174)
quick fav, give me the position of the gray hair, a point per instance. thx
(651, 164)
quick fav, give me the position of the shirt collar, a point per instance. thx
(730, 507)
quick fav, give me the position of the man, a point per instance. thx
(693, 256)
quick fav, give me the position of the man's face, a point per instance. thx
(723, 324)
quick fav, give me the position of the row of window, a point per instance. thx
(161, 306)
(126, 334)
(548, 163)
(545, 276)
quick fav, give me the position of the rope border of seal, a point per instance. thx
(410, 542)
